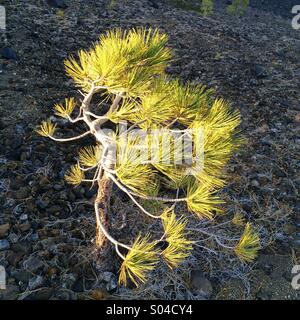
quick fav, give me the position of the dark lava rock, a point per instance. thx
(22, 247)
(14, 155)
(288, 276)
(66, 295)
(295, 242)
(90, 192)
(263, 295)
(10, 293)
(42, 204)
(13, 258)
(4, 228)
(258, 71)
(57, 4)
(22, 276)
(33, 264)
(78, 286)
(154, 4)
(24, 227)
(8, 53)
(22, 193)
(42, 294)
(4, 245)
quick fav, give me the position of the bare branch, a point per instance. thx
(132, 197)
(105, 232)
(70, 139)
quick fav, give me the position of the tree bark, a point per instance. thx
(103, 202)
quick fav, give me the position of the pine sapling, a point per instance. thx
(238, 7)
(127, 70)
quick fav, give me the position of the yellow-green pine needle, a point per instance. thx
(122, 61)
(220, 116)
(74, 175)
(218, 146)
(80, 71)
(65, 111)
(46, 129)
(202, 201)
(90, 156)
(140, 178)
(124, 112)
(179, 247)
(139, 261)
(238, 219)
(175, 176)
(249, 245)
(155, 107)
(189, 100)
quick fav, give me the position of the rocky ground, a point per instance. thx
(47, 228)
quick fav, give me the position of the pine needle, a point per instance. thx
(238, 219)
(46, 129)
(90, 156)
(178, 246)
(74, 175)
(249, 245)
(139, 261)
(65, 111)
(202, 201)
(140, 178)
(124, 62)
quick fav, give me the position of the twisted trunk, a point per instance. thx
(103, 201)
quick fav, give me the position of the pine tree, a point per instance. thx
(127, 69)
(238, 7)
(207, 7)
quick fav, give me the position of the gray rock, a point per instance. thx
(58, 187)
(35, 282)
(68, 280)
(106, 276)
(110, 279)
(255, 183)
(4, 245)
(23, 217)
(34, 237)
(112, 284)
(280, 236)
(201, 284)
(13, 238)
(154, 4)
(33, 264)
